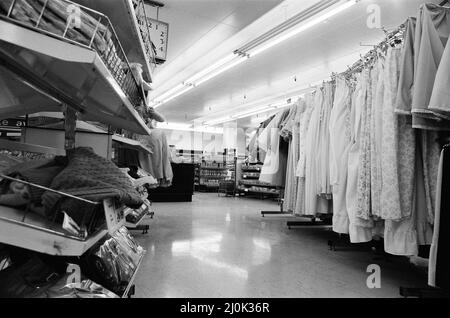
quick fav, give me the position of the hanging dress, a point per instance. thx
(324, 189)
(398, 167)
(274, 168)
(431, 37)
(359, 230)
(311, 151)
(376, 140)
(288, 133)
(305, 118)
(340, 140)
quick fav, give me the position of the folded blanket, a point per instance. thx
(91, 177)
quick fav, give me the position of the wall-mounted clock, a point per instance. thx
(159, 33)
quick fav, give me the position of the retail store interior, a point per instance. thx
(224, 148)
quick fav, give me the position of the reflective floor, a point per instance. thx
(222, 247)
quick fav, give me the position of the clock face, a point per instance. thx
(159, 34)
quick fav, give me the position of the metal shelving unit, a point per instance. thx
(249, 182)
(29, 231)
(132, 29)
(130, 290)
(49, 62)
(45, 68)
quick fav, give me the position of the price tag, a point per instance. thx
(114, 215)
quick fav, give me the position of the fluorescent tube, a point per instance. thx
(302, 27)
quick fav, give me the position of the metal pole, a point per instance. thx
(42, 13)
(11, 8)
(95, 31)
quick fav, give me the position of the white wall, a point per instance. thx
(232, 138)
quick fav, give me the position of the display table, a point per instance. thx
(182, 187)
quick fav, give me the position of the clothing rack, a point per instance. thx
(428, 292)
(392, 38)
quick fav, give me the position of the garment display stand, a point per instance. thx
(429, 292)
(85, 78)
(325, 220)
(280, 212)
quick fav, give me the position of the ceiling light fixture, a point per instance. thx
(301, 28)
(322, 11)
(254, 111)
(190, 128)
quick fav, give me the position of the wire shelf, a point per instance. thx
(76, 24)
(141, 17)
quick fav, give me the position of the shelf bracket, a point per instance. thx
(70, 125)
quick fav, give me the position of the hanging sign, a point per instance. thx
(13, 122)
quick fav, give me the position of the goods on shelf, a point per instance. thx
(249, 183)
(38, 279)
(114, 263)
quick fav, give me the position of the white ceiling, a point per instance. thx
(202, 31)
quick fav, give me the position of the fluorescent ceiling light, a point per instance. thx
(211, 68)
(175, 96)
(188, 127)
(171, 91)
(220, 71)
(303, 27)
(241, 55)
(254, 111)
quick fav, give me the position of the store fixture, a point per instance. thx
(130, 21)
(46, 67)
(217, 168)
(181, 188)
(58, 56)
(249, 183)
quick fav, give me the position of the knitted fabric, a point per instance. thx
(91, 177)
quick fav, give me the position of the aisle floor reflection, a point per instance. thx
(222, 247)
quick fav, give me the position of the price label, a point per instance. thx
(13, 122)
(114, 215)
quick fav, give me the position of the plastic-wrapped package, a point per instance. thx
(128, 246)
(114, 263)
(85, 289)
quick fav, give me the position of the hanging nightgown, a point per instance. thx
(431, 37)
(324, 188)
(376, 141)
(398, 170)
(359, 230)
(287, 132)
(274, 168)
(340, 140)
(427, 150)
(364, 169)
(305, 117)
(311, 151)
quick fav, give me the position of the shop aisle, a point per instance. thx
(222, 247)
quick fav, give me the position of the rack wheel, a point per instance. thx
(331, 245)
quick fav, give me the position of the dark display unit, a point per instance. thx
(182, 187)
